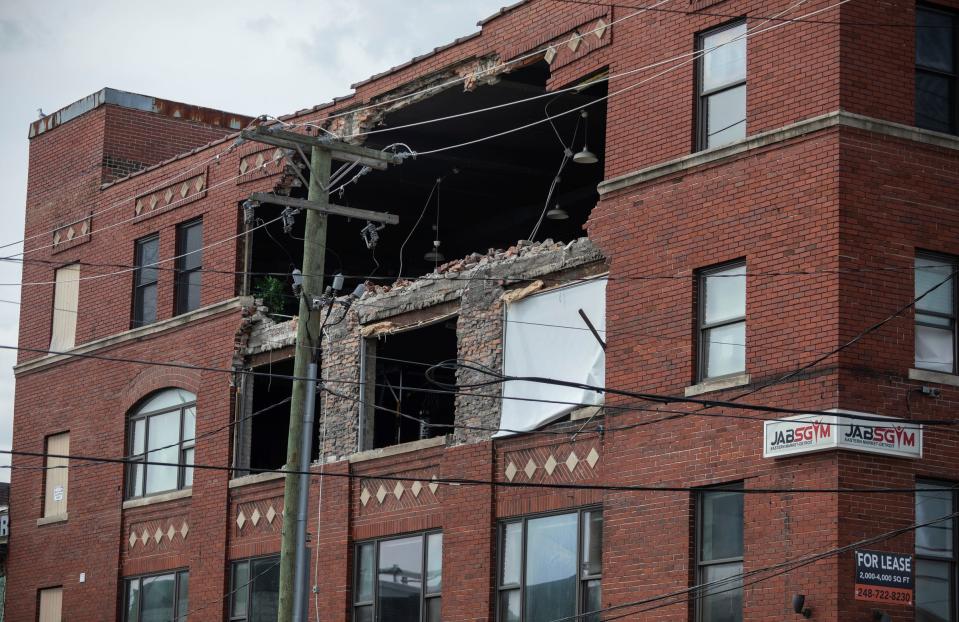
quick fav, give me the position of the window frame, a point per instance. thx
(57, 311)
(703, 328)
(424, 597)
(582, 579)
(181, 274)
(136, 314)
(234, 588)
(953, 562)
(177, 573)
(58, 463)
(698, 539)
(952, 77)
(701, 142)
(953, 262)
(137, 414)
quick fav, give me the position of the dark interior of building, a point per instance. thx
(401, 363)
(269, 429)
(491, 194)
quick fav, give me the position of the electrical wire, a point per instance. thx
(465, 481)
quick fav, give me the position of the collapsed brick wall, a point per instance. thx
(476, 285)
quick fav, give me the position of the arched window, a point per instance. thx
(161, 429)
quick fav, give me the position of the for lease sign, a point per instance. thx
(884, 577)
(808, 433)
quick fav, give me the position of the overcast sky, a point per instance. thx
(240, 56)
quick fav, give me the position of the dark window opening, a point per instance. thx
(273, 256)
(255, 589)
(494, 199)
(264, 418)
(406, 406)
(936, 69)
(189, 264)
(145, 277)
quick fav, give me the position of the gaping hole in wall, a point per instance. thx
(492, 194)
(273, 254)
(398, 385)
(261, 440)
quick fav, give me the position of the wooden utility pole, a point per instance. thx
(294, 566)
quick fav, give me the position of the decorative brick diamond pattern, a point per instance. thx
(551, 463)
(258, 517)
(73, 234)
(384, 495)
(267, 162)
(180, 192)
(157, 535)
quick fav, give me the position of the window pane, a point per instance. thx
(434, 563)
(726, 117)
(934, 37)
(592, 543)
(145, 305)
(133, 601)
(725, 294)
(189, 423)
(139, 437)
(241, 589)
(136, 479)
(189, 252)
(191, 290)
(724, 602)
(551, 558)
(168, 398)
(725, 350)
(934, 348)
(935, 540)
(400, 580)
(726, 64)
(164, 430)
(722, 525)
(265, 596)
(158, 594)
(433, 610)
(934, 102)
(512, 553)
(509, 606)
(592, 600)
(188, 471)
(363, 614)
(930, 274)
(932, 591)
(364, 574)
(148, 253)
(183, 597)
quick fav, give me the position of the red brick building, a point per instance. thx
(772, 187)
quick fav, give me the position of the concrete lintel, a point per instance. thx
(394, 450)
(163, 497)
(927, 375)
(717, 384)
(134, 334)
(788, 132)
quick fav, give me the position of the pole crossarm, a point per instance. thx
(339, 150)
(326, 208)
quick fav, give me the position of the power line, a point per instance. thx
(648, 397)
(464, 481)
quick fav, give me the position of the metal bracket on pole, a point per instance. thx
(325, 208)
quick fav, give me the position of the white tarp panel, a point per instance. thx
(545, 336)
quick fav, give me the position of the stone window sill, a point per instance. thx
(50, 520)
(927, 375)
(256, 478)
(717, 384)
(162, 497)
(393, 450)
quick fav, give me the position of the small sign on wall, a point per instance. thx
(862, 432)
(884, 577)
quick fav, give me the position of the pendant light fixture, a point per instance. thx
(434, 255)
(557, 213)
(585, 156)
